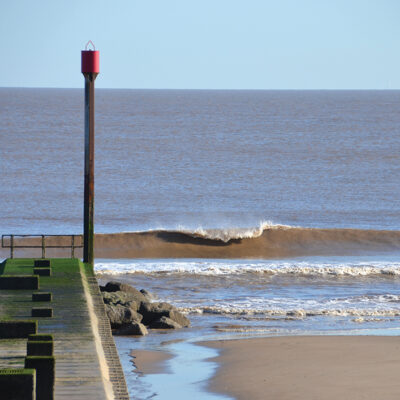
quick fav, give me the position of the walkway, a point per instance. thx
(87, 363)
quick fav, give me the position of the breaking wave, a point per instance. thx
(366, 305)
(220, 268)
(265, 241)
(293, 313)
(227, 234)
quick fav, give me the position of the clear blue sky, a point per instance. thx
(215, 44)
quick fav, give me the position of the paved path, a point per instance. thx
(87, 363)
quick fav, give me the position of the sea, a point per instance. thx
(277, 211)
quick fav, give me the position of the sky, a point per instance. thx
(203, 44)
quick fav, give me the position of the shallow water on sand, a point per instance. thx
(190, 365)
(231, 299)
(185, 375)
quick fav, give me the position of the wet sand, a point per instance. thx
(308, 367)
(150, 362)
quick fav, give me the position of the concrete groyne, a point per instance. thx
(61, 301)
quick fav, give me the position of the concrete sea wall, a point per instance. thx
(66, 306)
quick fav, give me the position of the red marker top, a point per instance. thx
(90, 59)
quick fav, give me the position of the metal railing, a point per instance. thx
(13, 245)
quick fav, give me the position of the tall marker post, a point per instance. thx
(90, 70)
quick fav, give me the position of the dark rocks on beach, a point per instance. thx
(114, 286)
(130, 310)
(154, 311)
(149, 296)
(120, 315)
(179, 318)
(125, 299)
(123, 287)
(133, 328)
(164, 323)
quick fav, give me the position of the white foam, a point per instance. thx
(293, 313)
(362, 306)
(223, 234)
(211, 268)
(228, 234)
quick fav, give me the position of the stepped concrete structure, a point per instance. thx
(87, 365)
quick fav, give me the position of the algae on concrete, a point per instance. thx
(18, 384)
(78, 370)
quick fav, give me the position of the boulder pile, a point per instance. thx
(131, 311)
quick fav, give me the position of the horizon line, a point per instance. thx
(201, 89)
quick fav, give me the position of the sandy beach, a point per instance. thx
(308, 367)
(150, 362)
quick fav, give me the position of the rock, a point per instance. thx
(102, 288)
(126, 305)
(120, 315)
(122, 287)
(164, 323)
(154, 311)
(132, 304)
(179, 318)
(133, 328)
(149, 296)
(111, 298)
(114, 286)
(126, 299)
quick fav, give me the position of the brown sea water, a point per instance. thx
(201, 159)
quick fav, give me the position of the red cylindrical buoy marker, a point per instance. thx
(90, 70)
(90, 61)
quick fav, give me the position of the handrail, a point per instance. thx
(43, 245)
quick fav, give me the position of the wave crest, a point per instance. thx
(300, 269)
(265, 241)
(294, 313)
(227, 234)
